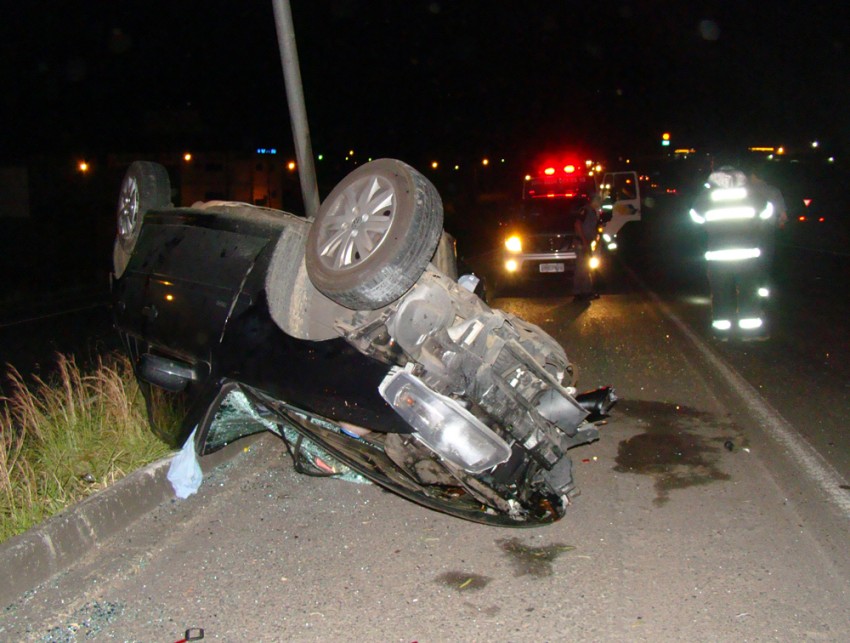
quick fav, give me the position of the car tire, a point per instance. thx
(145, 187)
(374, 235)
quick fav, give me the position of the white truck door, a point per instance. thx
(620, 193)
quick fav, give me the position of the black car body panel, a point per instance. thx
(192, 265)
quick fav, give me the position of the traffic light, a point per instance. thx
(665, 139)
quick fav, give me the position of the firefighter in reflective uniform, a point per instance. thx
(734, 217)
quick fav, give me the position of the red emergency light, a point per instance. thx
(556, 165)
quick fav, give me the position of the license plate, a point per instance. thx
(551, 267)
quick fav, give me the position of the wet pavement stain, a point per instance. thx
(493, 610)
(532, 561)
(463, 581)
(670, 451)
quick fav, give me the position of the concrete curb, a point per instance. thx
(34, 556)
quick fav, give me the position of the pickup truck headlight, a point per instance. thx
(443, 425)
(513, 243)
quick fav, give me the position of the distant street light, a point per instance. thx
(83, 167)
(187, 157)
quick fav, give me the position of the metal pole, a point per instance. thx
(297, 110)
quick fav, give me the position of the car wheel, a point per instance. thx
(146, 186)
(374, 235)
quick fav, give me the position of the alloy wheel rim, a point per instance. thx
(357, 223)
(128, 209)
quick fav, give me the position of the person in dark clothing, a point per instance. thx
(735, 217)
(586, 230)
(779, 218)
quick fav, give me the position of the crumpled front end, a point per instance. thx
(483, 391)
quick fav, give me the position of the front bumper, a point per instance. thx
(539, 265)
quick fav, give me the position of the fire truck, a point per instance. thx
(539, 241)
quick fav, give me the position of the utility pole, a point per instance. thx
(297, 109)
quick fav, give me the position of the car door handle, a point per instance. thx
(150, 312)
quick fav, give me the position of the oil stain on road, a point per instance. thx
(673, 449)
(532, 561)
(463, 581)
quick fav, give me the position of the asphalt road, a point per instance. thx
(674, 537)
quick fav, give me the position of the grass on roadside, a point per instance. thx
(68, 437)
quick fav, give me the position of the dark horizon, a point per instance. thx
(425, 78)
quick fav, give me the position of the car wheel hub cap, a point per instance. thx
(128, 209)
(358, 222)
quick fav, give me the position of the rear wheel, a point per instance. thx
(146, 186)
(374, 235)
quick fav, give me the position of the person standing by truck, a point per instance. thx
(586, 230)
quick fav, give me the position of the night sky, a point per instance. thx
(408, 78)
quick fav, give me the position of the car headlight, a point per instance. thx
(443, 425)
(513, 243)
(594, 263)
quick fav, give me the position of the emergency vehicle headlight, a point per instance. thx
(696, 216)
(767, 212)
(594, 263)
(513, 244)
(443, 425)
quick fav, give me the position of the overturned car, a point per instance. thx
(351, 337)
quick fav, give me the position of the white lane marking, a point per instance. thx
(821, 472)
